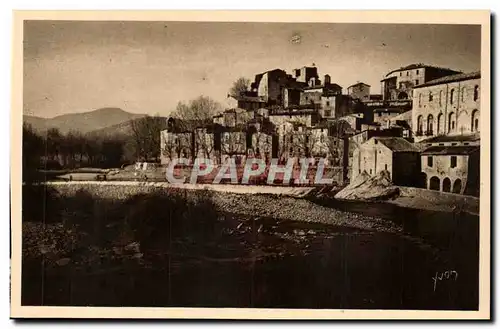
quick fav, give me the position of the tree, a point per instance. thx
(198, 111)
(239, 86)
(33, 146)
(54, 140)
(146, 137)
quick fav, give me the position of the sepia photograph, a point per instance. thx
(335, 163)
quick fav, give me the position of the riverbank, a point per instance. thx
(281, 203)
(416, 198)
(407, 197)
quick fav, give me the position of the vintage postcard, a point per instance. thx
(251, 165)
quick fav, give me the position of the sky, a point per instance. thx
(148, 67)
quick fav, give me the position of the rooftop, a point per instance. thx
(359, 83)
(452, 138)
(451, 78)
(418, 66)
(397, 144)
(450, 150)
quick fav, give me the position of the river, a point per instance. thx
(431, 264)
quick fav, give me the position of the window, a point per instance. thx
(407, 73)
(452, 93)
(453, 144)
(327, 103)
(379, 114)
(441, 144)
(451, 122)
(429, 161)
(416, 82)
(466, 143)
(375, 141)
(386, 166)
(476, 92)
(462, 94)
(453, 161)
(400, 74)
(370, 171)
(430, 125)
(430, 96)
(400, 85)
(417, 72)
(420, 100)
(419, 125)
(440, 118)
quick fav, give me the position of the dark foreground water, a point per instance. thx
(433, 264)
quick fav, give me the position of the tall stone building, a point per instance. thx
(399, 83)
(447, 106)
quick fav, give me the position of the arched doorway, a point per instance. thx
(422, 181)
(446, 185)
(457, 186)
(402, 95)
(434, 183)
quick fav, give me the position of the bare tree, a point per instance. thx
(146, 137)
(196, 112)
(239, 86)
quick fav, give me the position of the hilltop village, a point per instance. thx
(422, 129)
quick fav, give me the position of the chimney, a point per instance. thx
(327, 80)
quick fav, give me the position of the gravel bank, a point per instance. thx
(259, 205)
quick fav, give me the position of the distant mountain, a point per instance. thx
(124, 128)
(83, 122)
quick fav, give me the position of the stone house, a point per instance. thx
(395, 155)
(451, 164)
(447, 106)
(359, 91)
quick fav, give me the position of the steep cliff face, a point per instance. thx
(366, 187)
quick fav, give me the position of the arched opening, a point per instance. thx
(430, 125)
(420, 125)
(439, 123)
(452, 94)
(402, 95)
(422, 180)
(457, 186)
(451, 122)
(446, 185)
(474, 121)
(434, 183)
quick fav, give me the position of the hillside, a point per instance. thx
(84, 122)
(123, 128)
